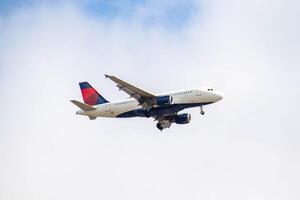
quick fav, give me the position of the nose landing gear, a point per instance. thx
(201, 110)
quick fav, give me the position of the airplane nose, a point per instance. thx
(219, 95)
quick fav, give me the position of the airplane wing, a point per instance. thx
(145, 99)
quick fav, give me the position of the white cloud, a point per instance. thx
(245, 147)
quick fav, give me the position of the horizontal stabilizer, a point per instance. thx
(83, 106)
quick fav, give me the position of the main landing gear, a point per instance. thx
(159, 126)
(163, 124)
(201, 110)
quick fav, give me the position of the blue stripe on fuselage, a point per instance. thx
(163, 110)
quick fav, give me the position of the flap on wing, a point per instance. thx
(137, 93)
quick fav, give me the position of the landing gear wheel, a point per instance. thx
(201, 110)
(147, 114)
(158, 125)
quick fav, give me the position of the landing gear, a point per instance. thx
(147, 114)
(163, 123)
(159, 126)
(201, 110)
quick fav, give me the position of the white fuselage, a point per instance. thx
(193, 97)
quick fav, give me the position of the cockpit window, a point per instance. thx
(210, 89)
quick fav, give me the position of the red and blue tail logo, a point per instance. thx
(90, 95)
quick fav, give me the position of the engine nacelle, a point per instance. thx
(164, 100)
(183, 119)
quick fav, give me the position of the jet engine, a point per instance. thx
(183, 118)
(164, 100)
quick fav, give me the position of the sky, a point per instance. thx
(244, 147)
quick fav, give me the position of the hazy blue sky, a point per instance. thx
(245, 147)
(173, 14)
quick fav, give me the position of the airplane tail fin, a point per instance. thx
(90, 95)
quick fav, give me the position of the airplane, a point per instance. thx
(164, 108)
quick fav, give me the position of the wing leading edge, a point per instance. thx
(145, 99)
